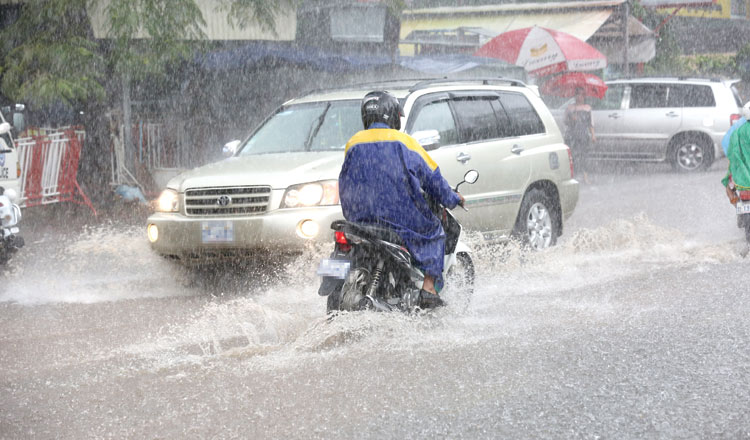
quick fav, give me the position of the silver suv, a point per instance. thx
(279, 190)
(680, 120)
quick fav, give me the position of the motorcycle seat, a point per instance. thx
(371, 232)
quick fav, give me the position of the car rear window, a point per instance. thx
(690, 95)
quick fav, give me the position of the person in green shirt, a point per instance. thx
(738, 153)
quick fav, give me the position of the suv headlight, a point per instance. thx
(169, 201)
(321, 193)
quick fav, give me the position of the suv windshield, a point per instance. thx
(319, 126)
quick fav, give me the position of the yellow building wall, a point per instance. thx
(720, 9)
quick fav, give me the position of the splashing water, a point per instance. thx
(280, 320)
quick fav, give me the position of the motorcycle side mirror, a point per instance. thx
(11, 194)
(470, 177)
(230, 148)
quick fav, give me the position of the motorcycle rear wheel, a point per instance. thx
(351, 293)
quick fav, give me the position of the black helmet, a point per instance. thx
(381, 107)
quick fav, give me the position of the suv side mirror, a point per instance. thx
(230, 148)
(428, 139)
(4, 128)
(19, 123)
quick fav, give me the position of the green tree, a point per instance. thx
(50, 55)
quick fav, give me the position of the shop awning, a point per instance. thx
(581, 19)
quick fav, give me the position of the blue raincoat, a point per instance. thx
(380, 183)
(728, 136)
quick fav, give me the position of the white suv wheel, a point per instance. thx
(689, 156)
(539, 226)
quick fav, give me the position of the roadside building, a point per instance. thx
(464, 29)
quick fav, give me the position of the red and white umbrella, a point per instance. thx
(566, 83)
(543, 51)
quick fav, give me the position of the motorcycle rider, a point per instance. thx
(381, 183)
(738, 153)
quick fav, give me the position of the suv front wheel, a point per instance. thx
(690, 153)
(537, 225)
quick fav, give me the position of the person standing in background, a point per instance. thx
(579, 131)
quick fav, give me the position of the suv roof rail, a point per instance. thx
(384, 83)
(484, 81)
(667, 78)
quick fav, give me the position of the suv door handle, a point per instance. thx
(517, 149)
(463, 157)
(613, 115)
(672, 114)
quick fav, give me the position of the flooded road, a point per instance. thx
(634, 326)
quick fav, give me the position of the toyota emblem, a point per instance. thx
(224, 201)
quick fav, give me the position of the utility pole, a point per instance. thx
(126, 124)
(625, 38)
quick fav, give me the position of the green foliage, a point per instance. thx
(742, 62)
(242, 13)
(667, 59)
(149, 35)
(49, 55)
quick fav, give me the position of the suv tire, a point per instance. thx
(690, 153)
(537, 226)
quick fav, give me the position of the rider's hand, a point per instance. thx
(461, 203)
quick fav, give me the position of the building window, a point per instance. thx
(739, 9)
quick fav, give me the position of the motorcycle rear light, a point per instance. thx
(342, 242)
(340, 238)
(734, 117)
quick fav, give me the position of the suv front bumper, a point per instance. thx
(181, 237)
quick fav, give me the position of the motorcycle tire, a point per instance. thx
(350, 294)
(747, 231)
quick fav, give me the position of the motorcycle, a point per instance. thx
(743, 211)
(371, 269)
(10, 215)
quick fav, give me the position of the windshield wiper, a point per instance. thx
(316, 128)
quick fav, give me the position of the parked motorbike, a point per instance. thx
(10, 215)
(743, 211)
(371, 269)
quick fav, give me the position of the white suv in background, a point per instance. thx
(679, 120)
(279, 191)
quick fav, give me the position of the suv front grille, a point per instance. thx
(236, 200)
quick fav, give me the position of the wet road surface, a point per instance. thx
(634, 326)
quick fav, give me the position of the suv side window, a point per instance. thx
(477, 118)
(524, 120)
(436, 116)
(688, 95)
(648, 96)
(612, 99)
